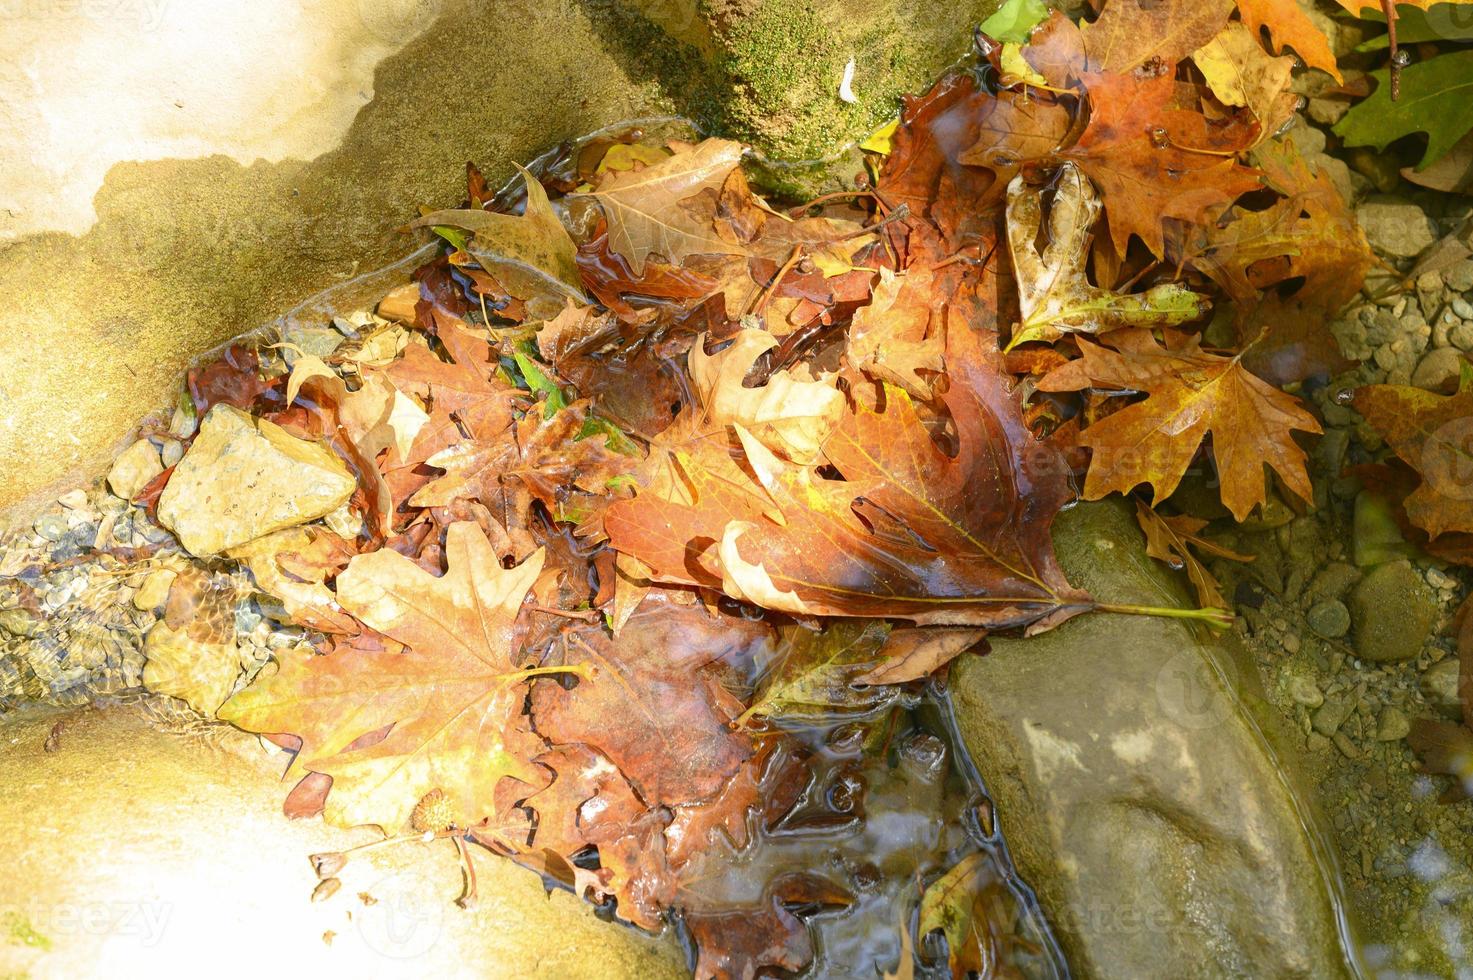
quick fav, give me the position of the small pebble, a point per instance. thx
(52, 527)
(1392, 725)
(1304, 691)
(1329, 618)
(1463, 308)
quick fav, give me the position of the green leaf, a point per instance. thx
(1443, 22)
(453, 235)
(1015, 20)
(615, 438)
(1436, 99)
(812, 675)
(539, 382)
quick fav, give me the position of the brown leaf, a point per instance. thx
(741, 943)
(1433, 434)
(1190, 393)
(1145, 156)
(645, 207)
(454, 697)
(652, 700)
(915, 652)
(1168, 540)
(910, 531)
(1131, 34)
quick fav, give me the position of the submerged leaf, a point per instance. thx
(532, 254)
(813, 673)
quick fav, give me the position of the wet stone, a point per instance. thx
(1439, 686)
(1330, 715)
(1118, 784)
(1393, 610)
(1392, 725)
(1329, 618)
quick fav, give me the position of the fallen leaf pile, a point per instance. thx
(652, 472)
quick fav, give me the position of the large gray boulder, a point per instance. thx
(1137, 797)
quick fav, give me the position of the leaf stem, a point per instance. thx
(1219, 619)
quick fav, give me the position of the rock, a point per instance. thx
(154, 591)
(1333, 580)
(1117, 755)
(1396, 228)
(1327, 112)
(1376, 536)
(1459, 276)
(1329, 618)
(200, 673)
(201, 860)
(1392, 724)
(1305, 691)
(1330, 715)
(244, 478)
(1438, 370)
(1439, 686)
(52, 527)
(1393, 610)
(133, 469)
(1381, 169)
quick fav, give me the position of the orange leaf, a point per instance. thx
(1190, 393)
(1434, 434)
(1290, 27)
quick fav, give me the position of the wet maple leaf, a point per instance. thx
(652, 699)
(1144, 154)
(1189, 394)
(1174, 540)
(644, 206)
(899, 337)
(1291, 27)
(745, 942)
(910, 531)
(1013, 130)
(454, 697)
(1433, 434)
(1130, 34)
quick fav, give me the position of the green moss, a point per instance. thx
(20, 932)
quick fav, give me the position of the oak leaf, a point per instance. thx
(1433, 434)
(899, 337)
(1434, 99)
(647, 209)
(968, 906)
(1189, 394)
(909, 532)
(454, 698)
(1054, 291)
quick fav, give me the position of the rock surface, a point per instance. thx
(1137, 799)
(244, 478)
(131, 852)
(134, 468)
(201, 674)
(1394, 611)
(1396, 228)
